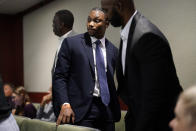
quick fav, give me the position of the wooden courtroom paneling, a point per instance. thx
(36, 97)
(11, 49)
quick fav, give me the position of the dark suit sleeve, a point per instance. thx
(154, 57)
(61, 75)
(114, 105)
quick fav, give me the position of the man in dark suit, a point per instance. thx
(83, 83)
(146, 74)
(62, 27)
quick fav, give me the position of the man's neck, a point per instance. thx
(99, 37)
(126, 16)
(65, 31)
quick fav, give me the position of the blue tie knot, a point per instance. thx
(97, 42)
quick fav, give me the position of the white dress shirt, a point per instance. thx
(60, 43)
(124, 34)
(103, 49)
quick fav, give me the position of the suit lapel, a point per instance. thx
(89, 51)
(119, 62)
(119, 70)
(108, 54)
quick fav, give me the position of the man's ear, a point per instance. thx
(62, 25)
(107, 23)
(118, 4)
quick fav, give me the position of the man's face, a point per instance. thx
(57, 26)
(114, 16)
(180, 122)
(97, 24)
(7, 90)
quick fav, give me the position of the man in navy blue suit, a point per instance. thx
(83, 84)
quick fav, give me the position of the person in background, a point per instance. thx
(62, 27)
(23, 105)
(146, 74)
(7, 121)
(185, 111)
(83, 83)
(45, 112)
(8, 90)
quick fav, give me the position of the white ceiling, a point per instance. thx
(16, 6)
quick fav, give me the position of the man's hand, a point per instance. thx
(66, 115)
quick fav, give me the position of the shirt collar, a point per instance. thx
(125, 31)
(93, 39)
(65, 35)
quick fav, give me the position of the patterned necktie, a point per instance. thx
(103, 85)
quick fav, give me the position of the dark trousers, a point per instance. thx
(99, 116)
(130, 124)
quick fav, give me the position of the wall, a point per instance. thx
(176, 18)
(11, 49)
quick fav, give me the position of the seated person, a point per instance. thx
(185, 111)
(8, 90)
(45, 112)
(23, 106)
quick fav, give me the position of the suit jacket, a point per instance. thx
(74, 77)
(150, 85)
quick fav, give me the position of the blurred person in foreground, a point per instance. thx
(7, 121)
(185, 111)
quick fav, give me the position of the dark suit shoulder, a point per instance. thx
(75, 37)
(144, 26)
(72, 41)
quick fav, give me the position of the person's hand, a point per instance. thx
(46, 99)
(66, 115)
